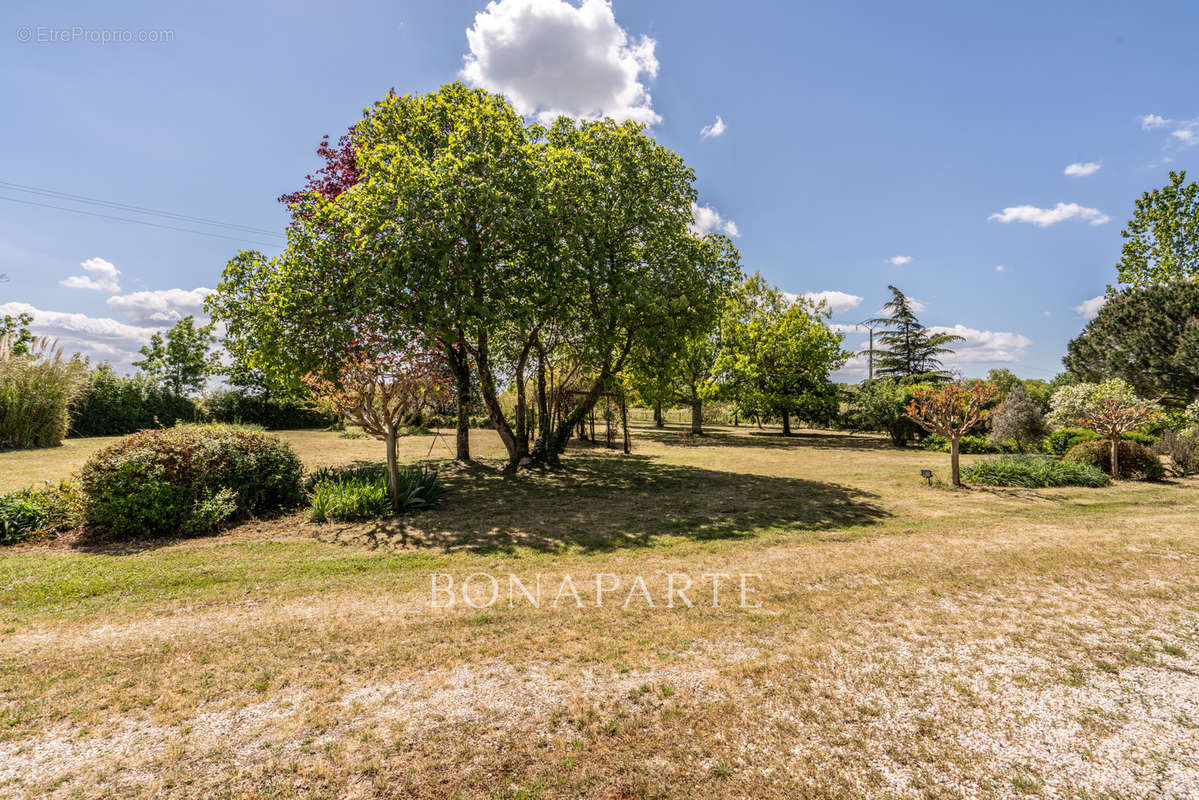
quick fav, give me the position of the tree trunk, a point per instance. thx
(1115, 458)
(461, 369)
(658, 423)
(624, 422)
(697, 417)
(953, 462)
(786, 423)
(734, 419)
(393, 470)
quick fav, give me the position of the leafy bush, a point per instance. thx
(29, 513)
(272, 413)
(1136, 460)
(36, 388)
(1032, 472)
(1182, 449)
(358, 493)
(189, 479)
(967, 444)
(1061, 440)
(110, 405)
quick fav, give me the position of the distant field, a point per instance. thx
(911, 642)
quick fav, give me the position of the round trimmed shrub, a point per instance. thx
(1136, 460)
(189, 479)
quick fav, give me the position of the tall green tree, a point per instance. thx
(1148, 337)
(1161, 241)
(907, 349)
(778, 354)
(15, 330)
(182, 361)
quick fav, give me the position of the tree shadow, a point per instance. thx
(819, 440)
(601, 502)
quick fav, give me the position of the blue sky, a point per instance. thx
(852, 134)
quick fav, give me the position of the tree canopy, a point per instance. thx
(182, 361)
(906, 348)
(1161, 241)
(1148, 337)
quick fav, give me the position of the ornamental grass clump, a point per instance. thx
(361, 493)
(1033, 472)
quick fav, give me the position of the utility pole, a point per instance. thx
(870, 325)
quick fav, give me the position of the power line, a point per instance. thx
(138, 221)
(136, 209)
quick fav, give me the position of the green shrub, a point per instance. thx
(189, 479)
(110, 405)
(29, 513)
(967, 444)
(1032, 472)
(36, 388)
(359, 493)
(1062, 439)
(1136, 460)
(272, 413)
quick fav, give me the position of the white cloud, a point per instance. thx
(551, 58)
(1151, 121)
(161, 307)
(1081, 170)
(836, 301)
(1188, 135)
(841, 327)
(899, 260)
(983, 347)
(706, 219)
(1000, 268)
(101, 275)
(1089, 309)
(715, 129)
(1044, 217)
(100, 338)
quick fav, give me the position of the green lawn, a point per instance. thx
(911, 641)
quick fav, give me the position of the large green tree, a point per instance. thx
(1148, 337)
(183, 360)
(778, 354)
(906, 348)
(520, 252)
(1161, 241)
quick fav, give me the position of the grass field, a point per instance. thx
(910, 641)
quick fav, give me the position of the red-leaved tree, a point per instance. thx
(951, 411)
(384, 391)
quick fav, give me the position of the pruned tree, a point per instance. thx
(952, 411)
(1111, 409)
(1018, 419)
(384, 393)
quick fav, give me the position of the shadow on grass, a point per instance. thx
(601, 502)
(681, 437)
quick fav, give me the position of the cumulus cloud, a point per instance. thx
(1000, 268)
(983, 347)
(706, 219)
(100, 338)
(1151, 121)
(717, 128)
(101, 276)
(834, 300)
(1081, 170)
(158, 308)
(1089, 309)
(551, 58)
(899, 261)
(1188, 135)
(1044, 217)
